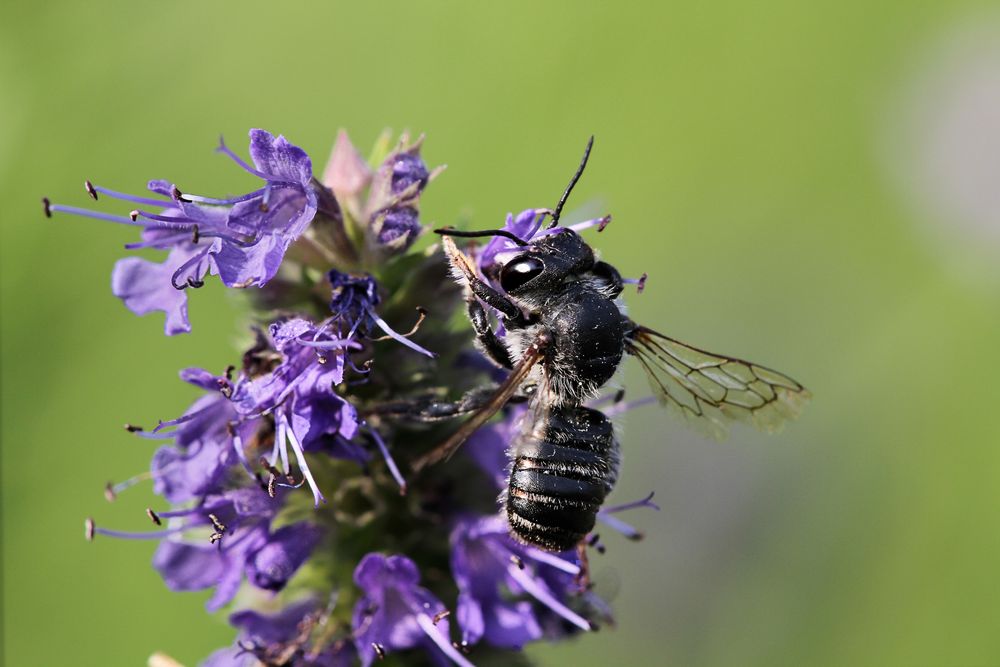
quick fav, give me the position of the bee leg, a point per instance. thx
(488, 341)
(430, 409)
(466, 272)
(582, 579)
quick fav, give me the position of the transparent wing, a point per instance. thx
(709, 390)
(504, 393)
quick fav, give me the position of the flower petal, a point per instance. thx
(279, 159)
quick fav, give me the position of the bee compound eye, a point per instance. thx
(519, 272)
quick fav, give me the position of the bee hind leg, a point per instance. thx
(430, 409)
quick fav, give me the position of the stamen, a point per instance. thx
(303, 465)
(624, 406)
(595, 543)
(625, 529)
(549, 559)
(92, 530)
(111, 492)
(335, 344)
(396, 336)
(640, 282)
(421, 315)
(214, 201)
(427, 625)
(645, 502)
(600, 223)
(153, 516)
(389, 460)
(92, 190)
(546, 598)
(190, 281)
(51, 208)
(224, 149)
(220, 530)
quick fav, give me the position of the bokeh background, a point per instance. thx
(815, 186)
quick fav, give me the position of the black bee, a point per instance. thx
(566, 335)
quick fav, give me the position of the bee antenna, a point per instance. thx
(572, 182)
(447, 231)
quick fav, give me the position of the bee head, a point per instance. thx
(545, 263)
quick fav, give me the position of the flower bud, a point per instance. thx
(397, 228)
(408, 169)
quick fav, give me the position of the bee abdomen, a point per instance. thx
(559, 482)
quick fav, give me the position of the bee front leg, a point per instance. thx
(488, 341)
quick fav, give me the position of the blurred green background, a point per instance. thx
(789, 174)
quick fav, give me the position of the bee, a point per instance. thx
(566, 334)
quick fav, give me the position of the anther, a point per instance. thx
(89, 187)
(264, 208)
(605, 221)
(641, 285)
(177, 195)
(134, 215)
(194, 282)
(109, 492)
(229, 372)
(619, 396)
(132, 428)
(462, 646)
(88, 529)
(439, 616)
(379, 650)
(195, 236)
(47, 207)
(153, 516)
(516, 560)
(220, 529)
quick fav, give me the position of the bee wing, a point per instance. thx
(504, 393)
(711, 389)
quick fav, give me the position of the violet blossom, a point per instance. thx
(277, 487)
(241, 239)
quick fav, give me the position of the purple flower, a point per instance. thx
(241, 239)
(527, 225)
(489, 567)
(271, 566)
(241, 545)
(291, 403)
(282, 638)
(395, 613)
(489, 444)
(353, 301)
